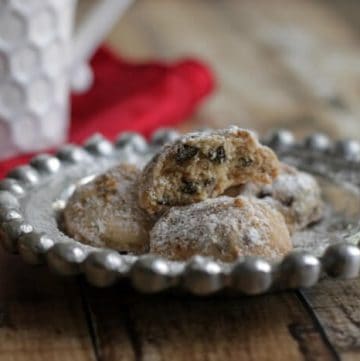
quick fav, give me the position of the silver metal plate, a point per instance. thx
(32, 198)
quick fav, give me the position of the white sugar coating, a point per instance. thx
(214, 133)
(295, 194)
(104, 212)
(224, 228)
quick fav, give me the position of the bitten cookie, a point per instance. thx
(105, 213)
(223, 228)
(296, 195)
(202, 165)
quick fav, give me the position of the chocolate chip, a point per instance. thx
(209, 181)
(218, 155)
(245, 162)
(288, 202)
(188, 187)
(264, 194)
(164, 201)
(161, 202)
(186, 152)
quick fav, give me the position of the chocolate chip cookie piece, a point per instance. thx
(105, 213)
(296, 195)
(223, 228)
(203, 165)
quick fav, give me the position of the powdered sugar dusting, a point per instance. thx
(223, 227)
(104, 212)
(295, 194)
(204, 134)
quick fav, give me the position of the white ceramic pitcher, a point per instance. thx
(41, 58)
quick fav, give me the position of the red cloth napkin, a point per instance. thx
(131, 96)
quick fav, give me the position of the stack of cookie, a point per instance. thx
(217, 193)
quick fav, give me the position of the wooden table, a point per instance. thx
(278, 63)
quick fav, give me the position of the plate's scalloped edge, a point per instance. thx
(103, 267)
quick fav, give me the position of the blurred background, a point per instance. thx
(277, 63)
(206, 63)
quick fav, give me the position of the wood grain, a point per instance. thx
(336, 304)
(41, 315)
(296, 67)
(174, 327)
(109, 322)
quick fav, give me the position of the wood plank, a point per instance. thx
(41, 315)
(297, 67)
(336, 305)
(320, 53)
(196, 29)
(111, 327)
(177, 327)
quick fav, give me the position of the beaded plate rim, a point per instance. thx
(150, 274)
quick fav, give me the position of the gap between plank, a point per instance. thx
(134, 338)
(317, 323)
(91, 323)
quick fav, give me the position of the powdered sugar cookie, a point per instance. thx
(104, 212)
(296, 195)
(203, 165)
(223, 228)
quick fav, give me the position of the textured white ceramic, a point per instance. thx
(40, 60)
